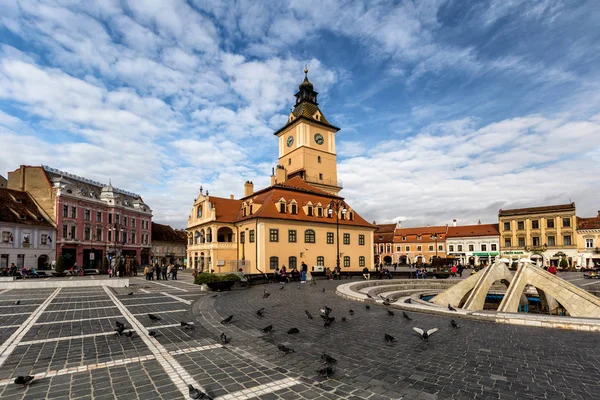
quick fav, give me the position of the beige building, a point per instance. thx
(300, 217)
(588, 241)
(544, 234)
(384, 244)
(419, 245)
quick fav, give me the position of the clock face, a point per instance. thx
(290, 141)
(319, 138)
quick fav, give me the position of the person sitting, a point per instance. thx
(295, 274)
(386, 273)
(284, 275)
(329, 274)
(423, 273)
(337, 272)
(366, 273)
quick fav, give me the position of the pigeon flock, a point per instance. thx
(327, 371)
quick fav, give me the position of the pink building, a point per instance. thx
(93, 220)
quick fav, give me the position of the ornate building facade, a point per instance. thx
(94, 220)
(473, 244)
(299, 217)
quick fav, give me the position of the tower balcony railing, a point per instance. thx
(330, 182)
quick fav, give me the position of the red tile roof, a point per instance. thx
(473, 230)
(537, 210)
(385, 228)
(165, 233)
(425, 233)
(303, 193)
(19, 208)
(227, 209)
(588, 223)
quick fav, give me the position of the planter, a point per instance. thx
(59, 274)
(221, 285)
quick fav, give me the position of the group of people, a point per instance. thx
(10, 271)
(457, 269)
(161, 271)
(335, 274)
(283, 276)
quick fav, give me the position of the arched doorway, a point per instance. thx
(472, 261)
(403, 260)
(41, 262)
(225, 234)
(387, 260)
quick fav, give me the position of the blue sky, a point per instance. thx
(448, 109)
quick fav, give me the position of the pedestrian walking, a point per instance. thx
(174, 272)
(453, 270)
(151, 273)
(164, 272)
(460, 270)
(146, 273)
(158, 271)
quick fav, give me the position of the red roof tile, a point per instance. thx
(588, 223)
(227, 209)
(425, 233)
(19, 208)
(473, 230)
(165, 233)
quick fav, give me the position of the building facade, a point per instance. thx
(3, 182)
(169, 246)
(419, 245)
(473, 245)
(299, 218)
(93, 220)
(384, 244)
(588, 241)
(545, 234)
(27, 235)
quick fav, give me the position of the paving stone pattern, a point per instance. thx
(73, 345)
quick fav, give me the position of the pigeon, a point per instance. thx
(451, 308)
(327, 359)
(266, 294)
(119, 324)
(406, 316)
(344, 319)
(261, 312)
(369, 296)
(17, 302)
(308, 314)
(368, 307)
(323, 290)
(326, 372)
(187, 325)
(120, 330)
(425, 335)
(224, 338)
(390, 313)
(215, 296)
(298, 286)
(328, 322)
(314, 282)
(154, 317)
(454, 324)
(23, 380)
(267, 329)
(408, 301)
(386, 303)
(130, 294)
(389, 338)
(152, 333)
(227, 320)
(129, 334)
(351, 312)
(281, 288)
(293, 331)
(197, 394)
(285, 349)
(384, 298)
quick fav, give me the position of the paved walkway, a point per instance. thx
(65, 337)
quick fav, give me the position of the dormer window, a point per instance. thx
(310, 211)
(294, 209)
(319, 211)
(418, 237)
(282, 207)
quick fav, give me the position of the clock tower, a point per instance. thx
(307, 142)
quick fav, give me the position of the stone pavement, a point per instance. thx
(65, 336)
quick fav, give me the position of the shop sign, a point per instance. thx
(486, 253)
(513, 252)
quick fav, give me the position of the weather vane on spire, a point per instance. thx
(306, 70)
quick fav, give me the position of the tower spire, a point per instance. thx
(306, 71)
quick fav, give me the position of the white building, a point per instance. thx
(27, 236)
(473, 244)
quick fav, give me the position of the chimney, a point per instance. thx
(248, 189)
(231, 196)
(399, 225)
(22, 183)
(454, 222)
(599, 213)
(280, 174)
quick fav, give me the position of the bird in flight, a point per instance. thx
(425, 335)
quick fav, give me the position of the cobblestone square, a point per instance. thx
(70, 345)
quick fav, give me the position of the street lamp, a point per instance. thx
(115, 229)
(336, 206)
(435, 236)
